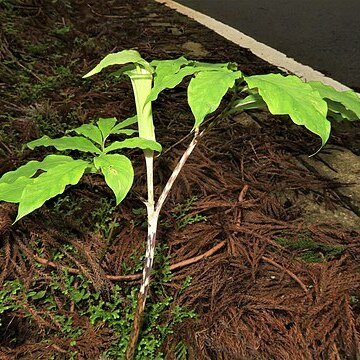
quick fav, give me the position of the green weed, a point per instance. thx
(30, 90)
(309, 250)
(182, 214)
(104, 218)
(55, 299)
(66, 206)
(61, 29)
(8, 291)
(181, 352)
(89, 43)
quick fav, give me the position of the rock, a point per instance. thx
(343, 166)
(195, 49)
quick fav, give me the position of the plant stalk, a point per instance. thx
(141, 80)
(153, 216)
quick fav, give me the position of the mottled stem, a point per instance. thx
(153, 216)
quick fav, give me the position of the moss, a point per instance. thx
(309, 250)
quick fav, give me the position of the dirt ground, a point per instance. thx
(265, 279)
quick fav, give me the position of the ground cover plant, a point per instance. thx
(91, 151)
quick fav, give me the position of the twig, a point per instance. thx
(240, 200)
(195, 259)
(58, 348)
(28, 70)
(176, 144)
(176, 172)
(243, 193)
(106, 16)
(209, 120)
(290, 273)
(4, 146)
(135, 277)
(52, 264)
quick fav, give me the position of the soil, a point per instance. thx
(270, 279)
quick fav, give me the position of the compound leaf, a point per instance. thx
(66, 143)
(132, 143)
(348, 98)
(49, 184)
(288, 95)
(207, 89)
(118, 172)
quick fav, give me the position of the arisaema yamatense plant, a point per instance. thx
(310, 104)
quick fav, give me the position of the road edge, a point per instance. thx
(263, 51)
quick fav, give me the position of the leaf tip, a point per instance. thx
(18, 217)
(90, 73)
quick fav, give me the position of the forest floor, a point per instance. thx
(258, 253)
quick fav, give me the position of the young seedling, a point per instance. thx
(31, 185)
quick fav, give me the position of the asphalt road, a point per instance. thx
(324, 34)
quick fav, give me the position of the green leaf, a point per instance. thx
(49, 184)
(66, 143)
(30, 168)
(288, 95)
(119, 58)
(339, 112)
(120, 127)
(181, 352)
(26, 170)
(36, 295)
(252, 101)
(348, 98)
(13, 183)
(171, 80)
(90, 131)
(212, 66)
(173, 66)
(123, 70)
(106, 125)
(206, 91)
(123, 124)
(132, 143)
(11, 192)
(165, 75)
(127, 132)
(118, 172)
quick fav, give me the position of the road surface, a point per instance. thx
(324, 34)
